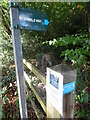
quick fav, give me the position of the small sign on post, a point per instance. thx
(32, 19)
(60, 91)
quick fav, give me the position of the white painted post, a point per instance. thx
(18, 61)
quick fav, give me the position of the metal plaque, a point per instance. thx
(33, 20)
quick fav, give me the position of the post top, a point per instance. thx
(69, 74)
(13, 5)
(62, 68)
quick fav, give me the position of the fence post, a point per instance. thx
(60, 91)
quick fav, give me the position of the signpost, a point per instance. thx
(24, 19)
(33, 20)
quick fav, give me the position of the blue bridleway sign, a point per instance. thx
(33, 20)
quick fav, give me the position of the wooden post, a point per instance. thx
(69, 78)
(18, 60)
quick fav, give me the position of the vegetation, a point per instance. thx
(68, 37)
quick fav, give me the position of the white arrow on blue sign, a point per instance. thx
(33, 20)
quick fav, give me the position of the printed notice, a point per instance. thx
(54, 81)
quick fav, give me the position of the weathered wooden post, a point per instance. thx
(60, 91)
(18, 58)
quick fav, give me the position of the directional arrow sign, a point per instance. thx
(33, 20)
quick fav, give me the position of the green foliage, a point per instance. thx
(3, 90)
(7, 52)
(4, 10)
(76, 48)
(17, 114)
(4, 102)
(17, 103)
(8, 73)
(6, 48)
(8, 76)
